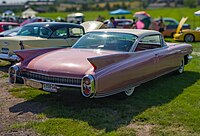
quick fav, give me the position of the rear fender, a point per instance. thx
(104, 61)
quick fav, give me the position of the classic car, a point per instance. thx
(122, 23)
(40, 35)
(75, 18)
(101, 63)
(7, 26)
(187, 35)
(11, 32)
(35, 19)
(171, 26)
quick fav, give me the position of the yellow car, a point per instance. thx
(187, 35)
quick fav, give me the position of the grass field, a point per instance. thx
(176, 13)
(168, 105)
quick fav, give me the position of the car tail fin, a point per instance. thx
(103, 61)
(30, 54)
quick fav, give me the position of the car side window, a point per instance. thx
(76, 32)
(60, 33)
(44, 32)
(149, 42)
(170, 22)
(29, 31)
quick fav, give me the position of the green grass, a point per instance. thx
(4, 63)
(176, 13)
(170, 104)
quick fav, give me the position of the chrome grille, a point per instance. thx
(45, 78)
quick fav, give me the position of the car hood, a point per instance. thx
(20, 38)
(92, 25)
(180, 25)
(70, 62)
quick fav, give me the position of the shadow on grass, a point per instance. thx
(109, 113)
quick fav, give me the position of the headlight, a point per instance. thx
(13, 70)
(88, 86)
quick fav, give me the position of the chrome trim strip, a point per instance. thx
(115, 91)
(50, 75)
(10, 75)
(118, 90)
(9, 58)
(189, 57)
(92, 86)
(43, 82)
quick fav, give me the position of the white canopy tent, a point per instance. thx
(29, 13)
(197, 13)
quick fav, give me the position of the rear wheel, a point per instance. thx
(129, 91)
(126, 93)
(181, 67)
(189, 38)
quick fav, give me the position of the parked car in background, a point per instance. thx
(187, 35)
(171, 26)
(11, 32)
(7, 26)
(102, 63)
(35, 19)
(40, 35)
(77, 18)
(122, 23)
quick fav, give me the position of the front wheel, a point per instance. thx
(181, 67)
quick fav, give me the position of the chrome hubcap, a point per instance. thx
(189, 38)
(130, 91)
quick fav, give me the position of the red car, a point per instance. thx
(102, 62)
(7, 26)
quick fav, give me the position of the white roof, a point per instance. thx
(138, 32)
(197, 13)
(29, 13)
(75, 15)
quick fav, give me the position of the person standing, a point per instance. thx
(161, 25)
(112, 23)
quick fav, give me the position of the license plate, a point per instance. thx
(50, 87)
(33, 84)
(4, 50)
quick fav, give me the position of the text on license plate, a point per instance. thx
(50, 87)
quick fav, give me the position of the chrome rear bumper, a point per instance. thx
(9, 57)
(189, 57)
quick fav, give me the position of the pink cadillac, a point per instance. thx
(101, 63)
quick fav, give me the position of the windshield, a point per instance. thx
(35, 31)
(106, 41)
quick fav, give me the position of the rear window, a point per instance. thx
(106, 41)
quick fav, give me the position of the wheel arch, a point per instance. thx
(189, 34)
